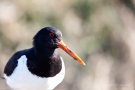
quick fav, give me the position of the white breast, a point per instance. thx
(22, 79)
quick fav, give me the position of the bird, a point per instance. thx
(40, 67)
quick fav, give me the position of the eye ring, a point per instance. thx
(51, 34)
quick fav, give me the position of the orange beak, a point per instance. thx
(63, 46)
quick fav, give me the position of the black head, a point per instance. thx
(47, 40)
(48, 37)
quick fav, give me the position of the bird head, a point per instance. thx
(50, 37)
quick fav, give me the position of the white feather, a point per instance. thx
(23, 79)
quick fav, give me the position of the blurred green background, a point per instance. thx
(101, 32)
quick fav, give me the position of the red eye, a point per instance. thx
(51, 34)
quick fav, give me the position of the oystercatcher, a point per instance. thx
(40, 67)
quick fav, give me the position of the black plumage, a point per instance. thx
(43, 59)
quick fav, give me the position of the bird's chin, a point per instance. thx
(54, 45)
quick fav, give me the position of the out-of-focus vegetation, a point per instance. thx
(102, 32)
